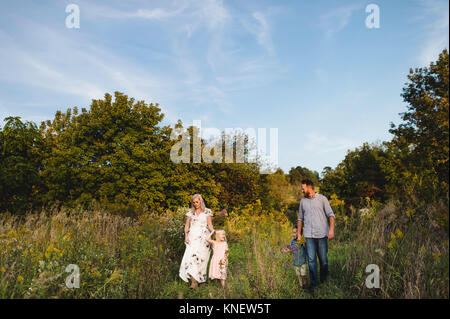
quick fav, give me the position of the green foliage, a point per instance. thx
(297, 174)
(20, 165)
(280, 193)
(413, 167)
(358, 176)
(419, 163)
(115, 153)
(121, 257)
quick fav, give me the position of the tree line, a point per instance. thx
(117, 153)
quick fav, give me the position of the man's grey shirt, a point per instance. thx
(313, 212)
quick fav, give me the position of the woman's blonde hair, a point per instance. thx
(202, 203)
(224, 233)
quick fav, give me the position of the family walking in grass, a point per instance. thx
(315, 226)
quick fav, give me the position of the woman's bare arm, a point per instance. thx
(186, 230)
(208, 239)
(210, 226)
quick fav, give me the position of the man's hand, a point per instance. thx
(331, 233)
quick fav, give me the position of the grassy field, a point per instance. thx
(121, 257)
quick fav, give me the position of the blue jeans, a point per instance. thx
(317, 247)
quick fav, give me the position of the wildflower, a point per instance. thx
(379, 251)
(48, 251)
(20, 278)
(422, 249)
(114, 276)
(390, 244)
(3, 269)
(399, 233)
(301, 241)
(12, 233)
(409, 212)
(286, 266)
(436, 256)
(392, 236)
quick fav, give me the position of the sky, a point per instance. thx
(311, 69)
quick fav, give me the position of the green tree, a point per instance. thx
(20, 164)
(358, 176)
(115, 152)
(297, 174)
(420, 147)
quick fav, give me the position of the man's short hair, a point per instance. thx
(308, 182)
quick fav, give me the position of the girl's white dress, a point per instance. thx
(196, 255)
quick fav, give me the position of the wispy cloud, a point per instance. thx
(337, 19)
(260, 28)
(204, 63)
(436, 31)
(319, 144)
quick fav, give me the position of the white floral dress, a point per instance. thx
(195, 260)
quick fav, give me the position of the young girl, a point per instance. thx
(299, 256)
(219, 260)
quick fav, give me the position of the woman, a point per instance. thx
(196, 256)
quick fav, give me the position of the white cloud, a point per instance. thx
(336, 20)
(42, 56)
(263, 32)
(317, 143)
(436, 31)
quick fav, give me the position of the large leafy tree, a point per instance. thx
(115, 152)
(420, 147)
(20, 164)
(358, 176)
(297, 174)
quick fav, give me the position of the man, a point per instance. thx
(313, 212)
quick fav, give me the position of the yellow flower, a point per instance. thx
(436, 256)
(409, 212)
(20, 278)
(392, 236)
(114, 276)
(301, 241)
(422, 249)
(390, 244)
(48, 251)
(3, 269)
(12, 233)
(399, 233)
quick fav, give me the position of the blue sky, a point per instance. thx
(312, 69)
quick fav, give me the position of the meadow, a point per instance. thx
(139, 257)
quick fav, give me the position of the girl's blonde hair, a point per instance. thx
(224, 233)
(202, 203)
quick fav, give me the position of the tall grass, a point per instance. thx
(123, 257)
